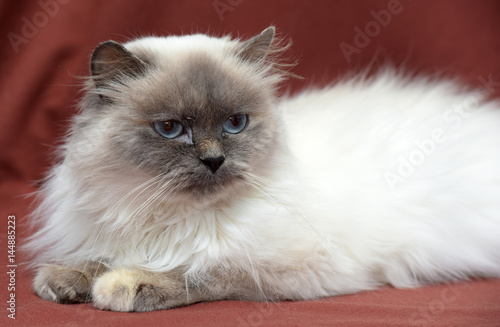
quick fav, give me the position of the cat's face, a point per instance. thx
(206, 122)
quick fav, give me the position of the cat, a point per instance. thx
(185, 177)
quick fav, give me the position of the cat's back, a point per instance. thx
(392, 147)
(392, 125)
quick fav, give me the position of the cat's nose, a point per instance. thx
(213, 163)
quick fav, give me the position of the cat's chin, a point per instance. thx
(210, 195)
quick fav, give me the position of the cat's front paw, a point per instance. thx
(62, 285)
(136, 290)
(115, 290)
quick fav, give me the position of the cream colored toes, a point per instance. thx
(137, 290)
(115, 290)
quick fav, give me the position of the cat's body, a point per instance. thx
(366, 183)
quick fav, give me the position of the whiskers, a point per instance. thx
(288, 199)
(117, 226)
(290, 202)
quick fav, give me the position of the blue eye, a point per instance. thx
(169, 129)
(235, 124)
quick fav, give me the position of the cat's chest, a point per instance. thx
(191, 236)
(256, 228)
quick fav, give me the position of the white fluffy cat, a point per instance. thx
(184, 178)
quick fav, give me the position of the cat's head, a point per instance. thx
(196, 111)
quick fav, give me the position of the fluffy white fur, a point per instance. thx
(338, 211)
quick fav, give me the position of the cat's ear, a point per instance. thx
(110, 60)
(257, 47)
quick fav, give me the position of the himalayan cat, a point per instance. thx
(185, 178)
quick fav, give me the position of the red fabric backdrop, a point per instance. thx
(46, 43)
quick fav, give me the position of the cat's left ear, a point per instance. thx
(111, 60)
(257, 47)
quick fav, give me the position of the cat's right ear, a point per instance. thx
(111, 60)
(257, 47)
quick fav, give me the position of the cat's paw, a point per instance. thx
(136, 290)
(62, 285)
(115, 290)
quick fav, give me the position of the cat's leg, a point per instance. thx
(63, 284)
(127, 289)
(132, 289)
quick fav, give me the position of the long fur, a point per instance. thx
(336, 206)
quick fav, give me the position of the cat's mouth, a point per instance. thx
(208, 187)
(211, 184)
(200, 186)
